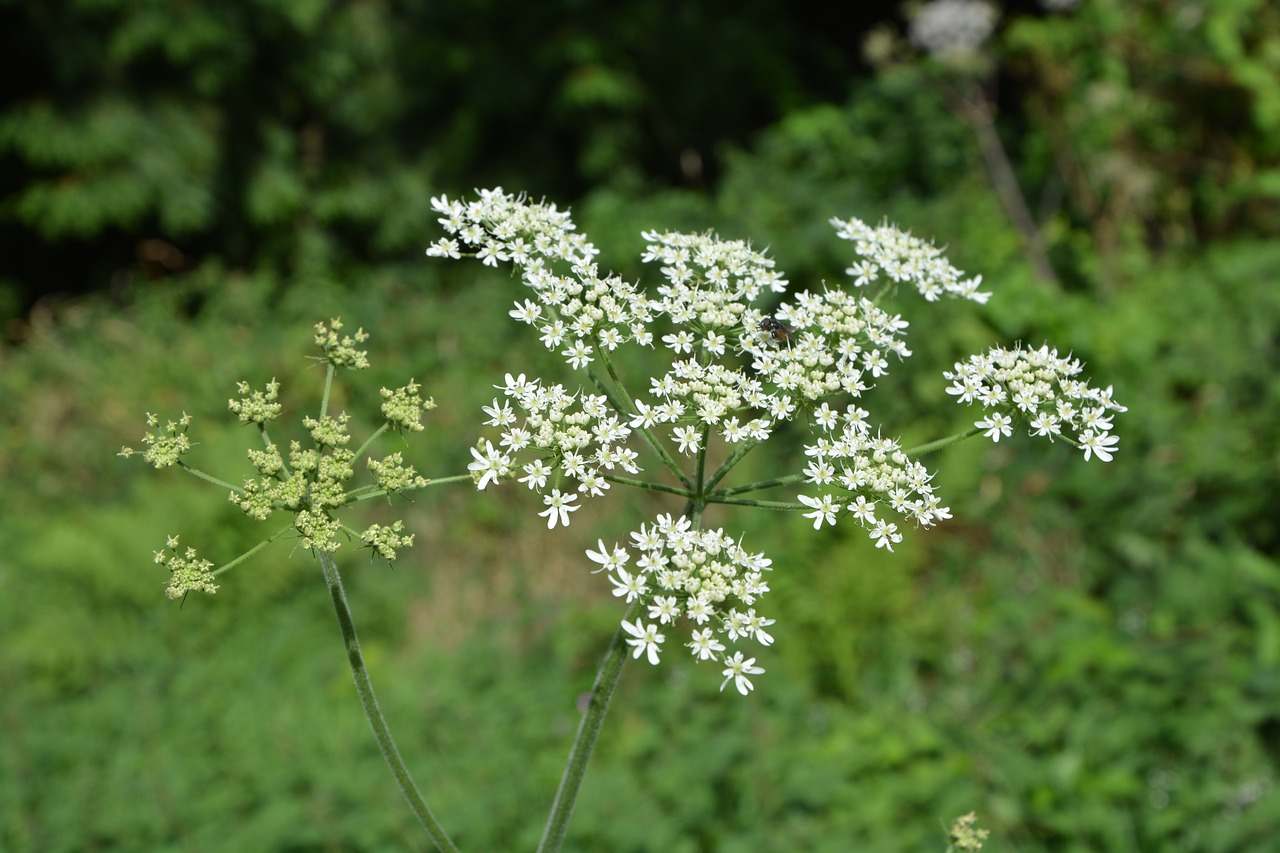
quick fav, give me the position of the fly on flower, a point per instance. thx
(776, 329)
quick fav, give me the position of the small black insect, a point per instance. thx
(776, 329)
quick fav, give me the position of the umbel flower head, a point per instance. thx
(1041, 388)
(308, 482)
(735, 358)
(187, 571)
(700, 577)
(730, 375)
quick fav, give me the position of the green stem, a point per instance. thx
(789, 480)
(370, 440)
(255, 549)
(364, 688)
(734, 459)
(330, 372)
(364, 493)
(932, 446)
(780, 505)
(208, 478)
(642, 484)
(588, 731)
(698, 500)
(629, 407)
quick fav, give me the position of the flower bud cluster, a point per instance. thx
(403, 407)
(340, 350)
(311, 483)
(187, 572)
(166, 447)
(703, 576)
(866, 469)
(1040, 387)
(256, 407)
(387, 539)
(394, 476)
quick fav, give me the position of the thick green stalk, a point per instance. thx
(588, 731)
(381, 733)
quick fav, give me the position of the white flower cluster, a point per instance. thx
(863, 467)
(574, 306)
(1037, 385)
(734, 371)
(888, 253)
(950, 27)
(700, 575)
(709, 280)
(710, 284)
(832, 341)
(1059, 5)
(568, 435)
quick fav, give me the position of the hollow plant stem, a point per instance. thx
(588, 731)
(369, 701)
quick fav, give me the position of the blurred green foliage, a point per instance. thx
(1088, 655)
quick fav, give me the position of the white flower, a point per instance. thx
(737, 670)
(444, 248)
(819, 472)
(500, 414)
(824, 509)
(578, 355)
(1046, 424)
(758, 624)
(1043, 386)
(535, 474)
(688, 438)
(615, 559)
(491, 466)
(886, 535)
(898, 256)
(664, 609)
(705, 646)
(558, 508)
(646, 639)
(996, 425)
(628, 585)
(680, 342)
(1099, 444)
(863, 510)
(594, 484)
(950, 27)
(526, 312)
